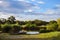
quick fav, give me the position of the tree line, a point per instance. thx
(13, 25)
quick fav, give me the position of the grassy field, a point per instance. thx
(42, 36)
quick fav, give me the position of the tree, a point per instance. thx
(52, 26)
(2, 21)
(40, 22)
(17, 22)
(11, 19)
(16, 28)
(31, 27)
(53, 21)
(22, 23)
(58, 22)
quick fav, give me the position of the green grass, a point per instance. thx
(49, 36)
(44, 35)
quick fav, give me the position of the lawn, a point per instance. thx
(49, 36)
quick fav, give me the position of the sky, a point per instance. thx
(30, 9)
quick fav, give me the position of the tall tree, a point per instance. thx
(11, 19)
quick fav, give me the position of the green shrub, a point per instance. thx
(16, 28)
(44, 31)
(31, 27)
(6, 28)
(52, 27)
(0, 28)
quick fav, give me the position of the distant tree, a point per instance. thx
(53, 21)
(34, 27)
(17, 22)
(22, 23)
(52, 26)
(58, 22)
(2, 21)
(27, 27)
(40, 22)
(31, 27)
(11, 19)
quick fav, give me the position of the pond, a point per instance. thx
(32, 32)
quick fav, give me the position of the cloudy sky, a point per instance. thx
(30, 9)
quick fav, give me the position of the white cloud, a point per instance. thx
(26, 7)
(58, 5)
(4, 4)
(55, 11)
(50, 11)
(40, 2)
(1, 2)
(29, 17)
(36, 7)
(33, 0)
(20, 0)
(7, 7)
(6, 15)
(28, 1)
(29, 10)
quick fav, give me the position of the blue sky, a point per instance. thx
(30, 9)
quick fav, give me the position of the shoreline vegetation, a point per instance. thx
(11, 27)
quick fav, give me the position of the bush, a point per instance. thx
(31, 27)
(52, 27)
(16, 28)
(6, 28)
(0, 28)
(44, 31)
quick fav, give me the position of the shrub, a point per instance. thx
(16, 28)
(44, 31)
(6, 28)
(0, 28)
(31, 27)
(52, 27)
